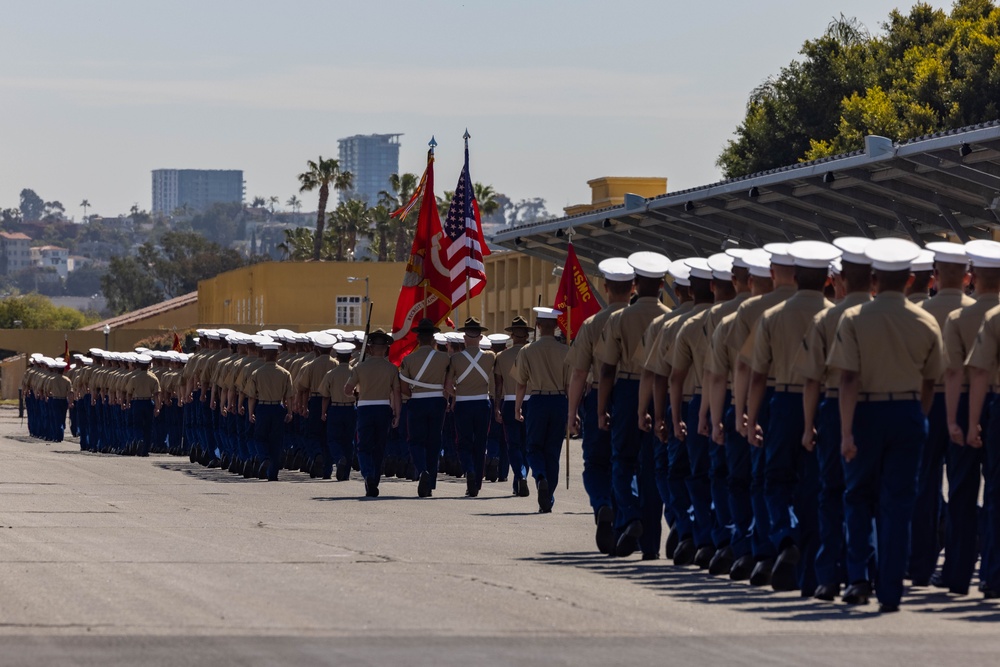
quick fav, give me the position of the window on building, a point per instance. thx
(348, 311)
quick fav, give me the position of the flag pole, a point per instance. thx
(468, 239)
(569, 341)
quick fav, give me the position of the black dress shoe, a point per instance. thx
(722, 561)
(761, 575)
(888, 608)
(742, 568)
(423, 486)
(859, 593)
(471, 490)
(213, 463)
(194, 455)
(544, 496)
(522, 488)
(673, 539)
(685, 552)
(628, 541)
(605, 530)
(343, 470)
(492, 470)
(990, 593)
(703, 557)
(827, 592)
(651, 556)
(784, 576)
(318, 466)
(262, 472)
(250, 469)
(371, 487)
(937, 580)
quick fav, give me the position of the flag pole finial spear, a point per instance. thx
(432, 143)
(466, 136)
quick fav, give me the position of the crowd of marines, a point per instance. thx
(792, 419)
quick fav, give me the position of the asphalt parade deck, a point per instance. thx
(108, 560)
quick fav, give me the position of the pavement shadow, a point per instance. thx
(694, 585)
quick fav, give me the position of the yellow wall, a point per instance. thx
(181, 318)
(300, 295)
(611, 190)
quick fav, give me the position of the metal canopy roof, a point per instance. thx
(948, 182)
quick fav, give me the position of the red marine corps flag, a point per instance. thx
(574, 297)
(426, 290)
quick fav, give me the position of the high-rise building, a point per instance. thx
(195, 189)
(371, 159)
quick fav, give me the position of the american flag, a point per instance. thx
(463, 251)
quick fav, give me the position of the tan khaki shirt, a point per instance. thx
(810, 361)
(375, 379)
(582, 353)
(142, 385)
(961, 329)
(476, 382)
(780, 332)
(434, 373)
(270, 383)
(541, 366)
(333, 384)
(892, 344)
(621, 340)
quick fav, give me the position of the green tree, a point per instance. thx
(85, 281)
(402, 187)
(321, 175)
(349, 222)
(128, 286)
(35, 311)
(383, 228)
(298, 245)
(31, 205)
(926, 71)
(294, 203)
(221, 223)
(85, 204)
(486, 197)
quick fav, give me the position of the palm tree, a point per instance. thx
(85, 204)
(294, 203)
(298, 244)
(486, 196)
(402, 187)
(444, 203)
(383, 227)
(350, 221)
(321, 175)
(272, 201)
(258, 202)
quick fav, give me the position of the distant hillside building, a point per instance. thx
(15, 252)
(51, 256)
(197, 189)
(371, 159)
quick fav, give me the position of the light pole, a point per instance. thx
(107, 331)
(354, 279)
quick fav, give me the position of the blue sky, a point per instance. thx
(94, 95)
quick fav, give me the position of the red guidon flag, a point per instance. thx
(177, 343)
(426, 285)
(574, 297)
